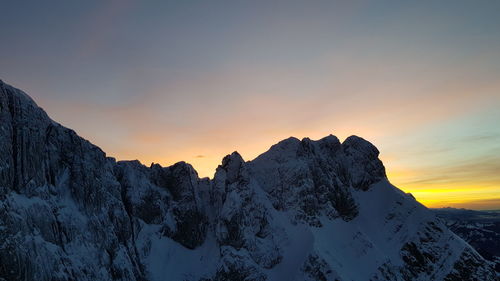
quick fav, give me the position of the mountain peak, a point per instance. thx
(232, 165)
(288, 144)
(359, 144)
(232, 159)
(14, 93)
(303, 210)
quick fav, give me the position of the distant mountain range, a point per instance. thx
(481, 229)
(303, 210)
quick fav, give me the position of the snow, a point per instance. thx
(168, 260)
(304, 210)
(298, 244)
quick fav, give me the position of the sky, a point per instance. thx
(169, 81)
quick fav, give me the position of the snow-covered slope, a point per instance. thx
(481, 229)
(304, 210)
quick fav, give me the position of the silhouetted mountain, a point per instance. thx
(304, 210)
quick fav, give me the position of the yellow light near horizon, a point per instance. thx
(476, 193)
(464, 196)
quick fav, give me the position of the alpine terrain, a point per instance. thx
(481, 229)
(303, 210)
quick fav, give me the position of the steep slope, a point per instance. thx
(481, 229)
(62, 216)
(304, 210)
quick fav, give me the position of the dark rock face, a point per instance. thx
(304, 210)
(462, 268)
(244, 221)
(363, 164)
(59, 198)
(170, 197)
(315, 268)
(320, 174)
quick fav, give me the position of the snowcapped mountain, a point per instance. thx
(481, 229)
(304, 210)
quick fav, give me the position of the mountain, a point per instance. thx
(481, 229)
(304, 210)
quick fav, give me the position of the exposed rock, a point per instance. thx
(304, 210)
(481, 229)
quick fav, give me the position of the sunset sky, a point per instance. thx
(165, 81)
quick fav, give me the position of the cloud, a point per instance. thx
(482, 169)
(482, 138)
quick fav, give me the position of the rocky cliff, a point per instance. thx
(304, 210)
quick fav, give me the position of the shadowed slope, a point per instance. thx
(304, 210)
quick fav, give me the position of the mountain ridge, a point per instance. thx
(303, 210)
(481, 229)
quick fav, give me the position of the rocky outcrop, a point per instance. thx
(61, 213)
(315, 178)
(304, 210)
(481, 229)
(244, 221)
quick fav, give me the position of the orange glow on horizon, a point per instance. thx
(253, 108)
(482, 195)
